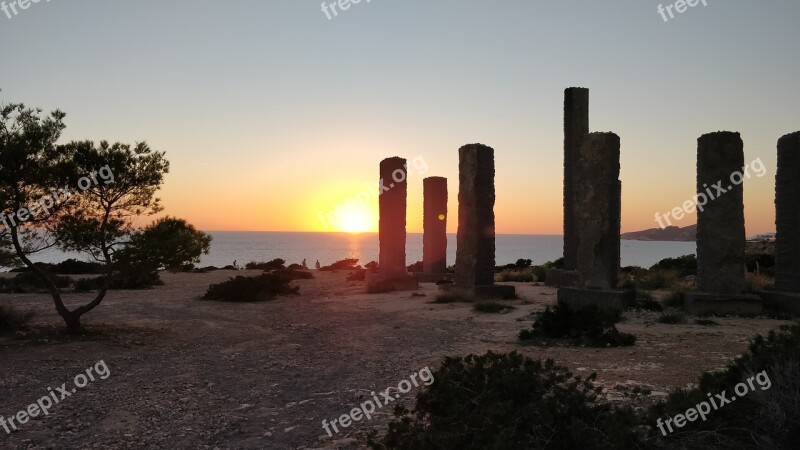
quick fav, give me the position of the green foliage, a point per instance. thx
(659, 279)
(250, 289)
(646, 302)
(767, 417)
(168, 243)
(507, 401)
(590, 326)
(519, 275)
(12, 320)
(684, 265)
(275, 264)
(491, 307)
(68, 267)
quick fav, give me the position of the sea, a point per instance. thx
(246, 246)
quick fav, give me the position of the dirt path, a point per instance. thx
(192, 374)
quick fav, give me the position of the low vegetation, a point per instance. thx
(250, 289)
(12, 320)
(590, 326)
(508, 401)
(344, 264)
(275, 264)
(673, 318)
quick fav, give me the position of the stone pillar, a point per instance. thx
(720, 222)
(598, 208)
(392, 221)
(434, 241)
(597, 211)
(392, 273)
(576, 127)
(475, 250)
(787, 210)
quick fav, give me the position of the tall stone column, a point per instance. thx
(576, 127)
(392, 273)
(787, 210)
(392, 221)
(475, 251)
(434, 240)
(720, 222)
(597, 211)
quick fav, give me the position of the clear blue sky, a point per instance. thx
(270, 112)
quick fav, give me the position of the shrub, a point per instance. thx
(250, 289)
(590, 325)
(12, 320)
(646, 302)
(672, 318)
(345, 264)
(507, 401)
(416, 267)
(372, 266)
(767, 417)
(491, 307)
(30, 282)
(132, 278)
(683, 265)
(86, 285)
(521, 275)
(675, 299)
(758, 282)
(74, 267)
(275, 264)
(659, 279)
(295, 266)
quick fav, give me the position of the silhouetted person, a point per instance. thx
(318, 266)
(304, 264)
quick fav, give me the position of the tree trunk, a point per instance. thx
(73, 322)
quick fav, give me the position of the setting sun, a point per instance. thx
(354, 220)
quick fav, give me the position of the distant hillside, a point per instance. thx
(673, 234)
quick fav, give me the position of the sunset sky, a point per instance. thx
(270, 113)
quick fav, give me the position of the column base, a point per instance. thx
(377, 282)
(700, 303)
(781, 301)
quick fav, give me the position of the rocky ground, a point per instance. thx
(191, 374)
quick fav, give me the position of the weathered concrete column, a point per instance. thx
(392, 220)
(720, 222)
(787, 212)
(597, 211)
(392, 272)
(434, 222)
(475, 250)
(576, 127)
(720, 229)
